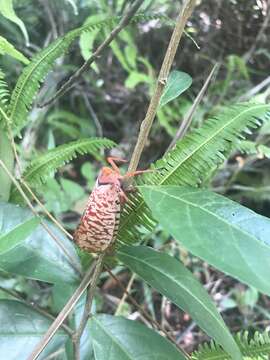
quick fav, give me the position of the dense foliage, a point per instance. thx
(193, 240)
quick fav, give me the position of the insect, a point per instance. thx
(98, 226)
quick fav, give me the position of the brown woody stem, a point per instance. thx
(63, 314)
(185, 13)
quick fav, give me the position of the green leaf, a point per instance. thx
(4, 95)
(136, 78)
(7, 48)
(37, 256)
(35, 72)
(229, 236)
(251, 148)
(177, 83)
(87, 39)
(254, 346)
(192, 160)
(21, 328)
(169, 277)
(128, 340)
(12, 238)
(6, 155)
(43, 165)
(6, 9)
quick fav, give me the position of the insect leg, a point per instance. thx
(138, 172)
(111, 161)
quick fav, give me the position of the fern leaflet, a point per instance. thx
(192, 159)
(257, 348)
(41, 167)
(4, 97)
(251, 148)
(33, 74)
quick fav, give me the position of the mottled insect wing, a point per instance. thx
(98, 226)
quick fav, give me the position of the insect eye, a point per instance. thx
(103, 182)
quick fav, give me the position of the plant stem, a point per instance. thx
(122, 24)
(153, 322)
(189, 116)
(50, 216)
(38, 309)
(185, 13)
(88, 305)
(127, 290)
(45, 226)
(63, 314)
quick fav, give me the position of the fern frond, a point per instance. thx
(4, 91)
(4, 97)
(251, 148)
(256, 348)
(42, 166)
(29, 81)
(7, 48)
(192, 159)
(34, 74)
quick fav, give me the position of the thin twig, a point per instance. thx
(45, 226)
(38, 309)
(50, 17)
(17, 160)
(63, 314)
(185, 13)
(259, 36)
(122, 24)
(88, 305)
(55, 354)
(123, 299)
(50, 216)
(93, 114)
(255, 90)
(188, 118)
(145, 314)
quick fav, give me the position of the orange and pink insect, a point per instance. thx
(98, 226)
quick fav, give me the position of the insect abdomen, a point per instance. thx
(98, 226)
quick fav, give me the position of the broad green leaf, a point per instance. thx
(124, 339)
(193, 160)
(229, 236)
(37, 256)
(6, 9)
(21, 328)
(12, 238)
(177, 83)
(6, 155)
(7, 48)
(172, 279)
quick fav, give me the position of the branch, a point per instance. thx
(63, 314)
(185, 13)
(122, 24)
(88, 305)
(188, 118)
(28, 202)
(123, 299)
(153, 322)
(259, 36)
(38, 309)
(45, 226)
